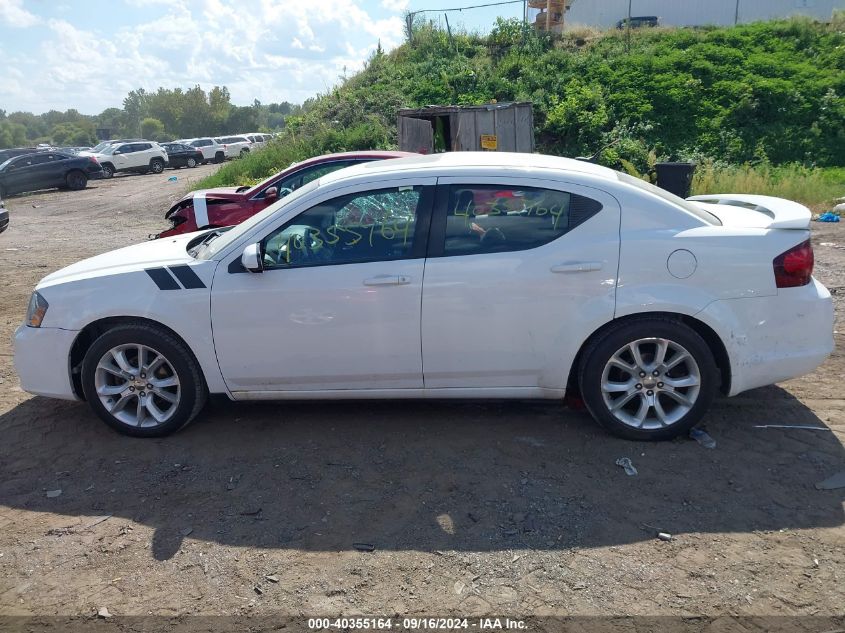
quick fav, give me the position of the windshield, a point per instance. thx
(4, 163)
(100, 147)
(217, 244)
(686, 205)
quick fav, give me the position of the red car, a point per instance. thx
(225, 206)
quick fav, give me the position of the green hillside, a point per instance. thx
(769, 92)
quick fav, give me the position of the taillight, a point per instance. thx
(794, 267)
(93, 160)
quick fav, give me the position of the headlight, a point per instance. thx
(37, 309)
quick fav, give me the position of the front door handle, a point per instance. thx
(387, 280)
(577, 267)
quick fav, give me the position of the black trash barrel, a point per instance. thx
(675, 177)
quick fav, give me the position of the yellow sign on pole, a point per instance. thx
(489, 141)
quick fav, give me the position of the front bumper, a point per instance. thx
(4, 220)
(42, 360)
(770, 339)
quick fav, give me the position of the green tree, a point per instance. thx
(152, 129)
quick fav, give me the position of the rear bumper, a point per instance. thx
(4, 220)
(770, 339)
(42, 361)
(95, 175)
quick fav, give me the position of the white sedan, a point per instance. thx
(461, 275)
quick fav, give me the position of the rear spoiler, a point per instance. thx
(785, 214)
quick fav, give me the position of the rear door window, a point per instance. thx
(499, 218)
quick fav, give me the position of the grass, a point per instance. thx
(258, 165)
(814, 187)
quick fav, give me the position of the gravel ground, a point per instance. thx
(469, 508)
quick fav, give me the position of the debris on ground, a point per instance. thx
(364, 547)
(172, 179)
(271, 578)
(791, 426)
(834, 482)
(102, 612)
(702, 437)
(625, 462)
(187, 531)
(52, 494)
(664, 536)
(828, 217)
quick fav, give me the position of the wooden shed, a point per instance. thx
(503, 127)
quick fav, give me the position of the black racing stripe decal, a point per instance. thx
(187, 276)
(162, 279)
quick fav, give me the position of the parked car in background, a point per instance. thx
(142, 156)
(235, 146)
(390, 280)
(4, 216)
(72, 150)
(181, 155)
(225, 206)
(258, 140)
(212, 151)
(44, 170)
(639, 21)
(6, 154)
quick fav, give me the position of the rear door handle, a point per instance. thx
(387, 280)
(577, 267)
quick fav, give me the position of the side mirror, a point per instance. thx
(252, 260)
(271, 193)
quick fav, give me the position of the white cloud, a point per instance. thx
(272, 50)
(394, 5)
(13, 14)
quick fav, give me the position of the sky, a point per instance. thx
(88, 54)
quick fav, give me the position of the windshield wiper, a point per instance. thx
(194, 250)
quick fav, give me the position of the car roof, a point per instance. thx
(503, 160)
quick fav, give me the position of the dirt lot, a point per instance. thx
(473, 508)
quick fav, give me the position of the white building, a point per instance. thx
(606, 13)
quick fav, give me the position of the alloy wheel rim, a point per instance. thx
(650, 383)
(137, 385)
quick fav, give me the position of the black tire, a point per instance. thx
(599, 352)
(244, 152)
(219, 157)
(156, 165)
(191, 162)
(108, 170)
(76, 180)
(193, 392)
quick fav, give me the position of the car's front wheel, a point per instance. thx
(142, 381)
(108, 170)
(648, 379)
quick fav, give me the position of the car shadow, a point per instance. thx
(428, 476)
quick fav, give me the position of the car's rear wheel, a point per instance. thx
(108, 170)
(156, 165)
(76, 180)
(191, 162)
(648, 379)
(219, 157)
(142, 381)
